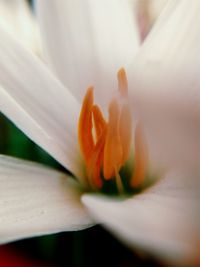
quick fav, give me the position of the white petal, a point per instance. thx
(147, 13)
(155, 8)
(166, 67)
(161, 220)
(37, 103)
(35, 200)
(17, 18)
(87, 42)
(173, 139)
(165, 83)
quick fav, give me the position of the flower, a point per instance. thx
(87, 43)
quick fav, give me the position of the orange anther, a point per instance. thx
(99, 121)
(122, 82)
(113, 149)
(106, 145)
(85, 126)
(125, 131)
(96, 161)
(141, 158)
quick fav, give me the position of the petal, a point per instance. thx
(166, 68)
(35, 200)
(164, 220)
(87, 42)
(18, 19)
(165, 83)
(37, 103)
(172, 138)
(155, 8)
(147, 13)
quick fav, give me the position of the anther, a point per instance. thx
(113, 148)
(99, 122)
(106, 145)
(122, 82)
(85, 126)
(141, 158)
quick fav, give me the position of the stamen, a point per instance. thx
(125, 131)
(85, 126)
(113, 149)
(141, 158)
(99, 122)
(95, 164)
(122, 82)
(119, 182)
(106, 145)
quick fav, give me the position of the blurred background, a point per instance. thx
(92, 247)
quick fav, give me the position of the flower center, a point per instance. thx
(106, 145)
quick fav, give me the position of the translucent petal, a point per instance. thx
(17, 18)
(165, 70)
(164, 220)
(87, 42)
(165, 82)
(35, 200)
(37, 103)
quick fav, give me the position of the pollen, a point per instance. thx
(106, 145)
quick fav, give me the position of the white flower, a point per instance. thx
(86, 43)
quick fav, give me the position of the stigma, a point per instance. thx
(108, 145)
